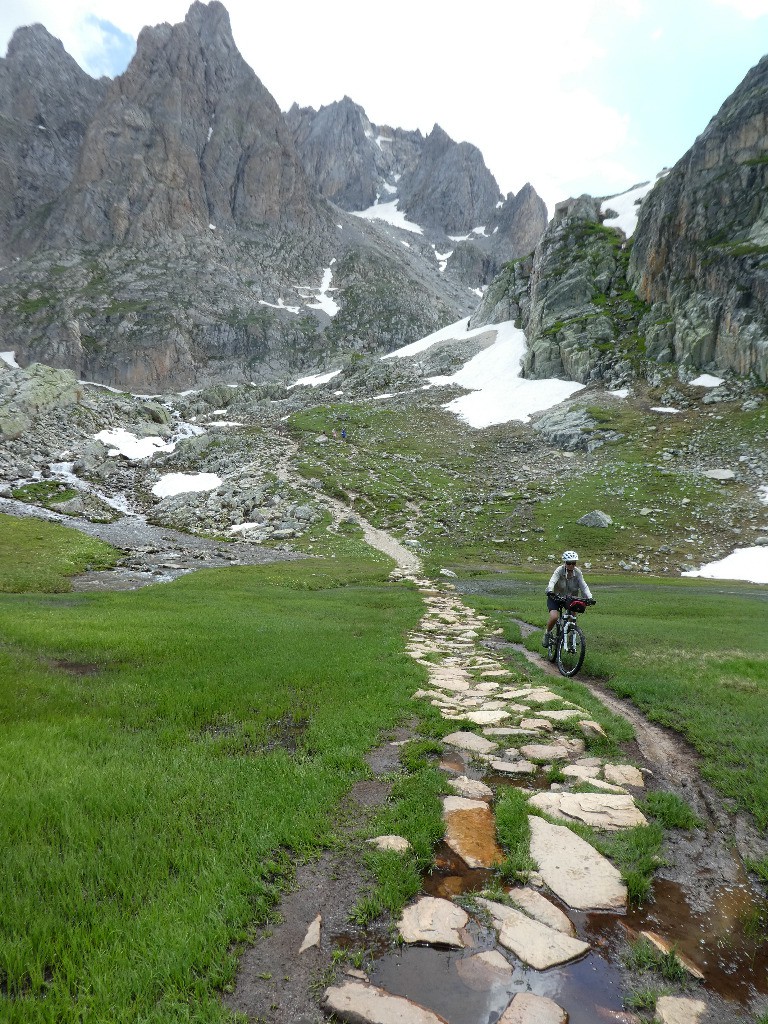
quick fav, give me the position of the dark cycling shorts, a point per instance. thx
(553, 604)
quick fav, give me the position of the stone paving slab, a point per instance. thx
(538, 945)
(665, 946)
(485, 717)
(574, 870)
(608, 811)
(521, 767)
(583, 772)
(527, 1008)
(624, 775)
(473, 789)
(676, 1010)
(470, 831)
(536, 723)
(358, 1003)
(483, 971)
(541, 909)
(434, 922)
(545, 751)
(607, 787)
(470, 741)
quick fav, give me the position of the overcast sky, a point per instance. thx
(572, 95)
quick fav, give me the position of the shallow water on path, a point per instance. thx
(434, 979)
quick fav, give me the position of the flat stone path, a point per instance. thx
(522, 732)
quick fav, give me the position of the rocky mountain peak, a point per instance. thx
(33, 45)
(338, 152)
(187, 137)
(46, 104)
(450, 188)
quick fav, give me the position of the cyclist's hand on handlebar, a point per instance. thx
(591, 601)
(550, 593)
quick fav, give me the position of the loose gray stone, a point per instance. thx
(596, 518)
(396, 843)
(312, 938)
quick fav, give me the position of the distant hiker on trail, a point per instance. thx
(343, 433)
(566, 581)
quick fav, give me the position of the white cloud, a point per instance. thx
(750, 9)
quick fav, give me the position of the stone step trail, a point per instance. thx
(519, 737)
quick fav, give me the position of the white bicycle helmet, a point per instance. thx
(570, 556)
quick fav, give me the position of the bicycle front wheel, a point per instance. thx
(571, 651)
(554, 642)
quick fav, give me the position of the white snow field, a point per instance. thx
(747, 564)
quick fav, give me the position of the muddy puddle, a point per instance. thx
(592, 989)
(726, 941)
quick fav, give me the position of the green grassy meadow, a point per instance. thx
(169, 754)
(458, 494)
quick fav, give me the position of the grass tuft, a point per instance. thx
(670, 810)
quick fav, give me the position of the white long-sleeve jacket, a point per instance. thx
(569, 586)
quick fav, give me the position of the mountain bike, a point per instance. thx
(567, 644)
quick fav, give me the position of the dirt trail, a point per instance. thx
(407, 561)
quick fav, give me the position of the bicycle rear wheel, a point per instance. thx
(571, 651)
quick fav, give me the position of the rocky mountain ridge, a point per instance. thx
(443, 186)
(161, 229)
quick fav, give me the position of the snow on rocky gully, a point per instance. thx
(390, 214)
(498, 393)
(122, 442)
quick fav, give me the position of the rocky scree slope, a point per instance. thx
(177, 238)
(689, 288)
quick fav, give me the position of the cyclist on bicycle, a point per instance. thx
(567, 581)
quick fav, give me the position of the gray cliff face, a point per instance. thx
(519, 223)
(581, 319)
(701, 246)
(186, 137)
(450, 189)
(350, 160)
(690, 288)
(46, 104)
